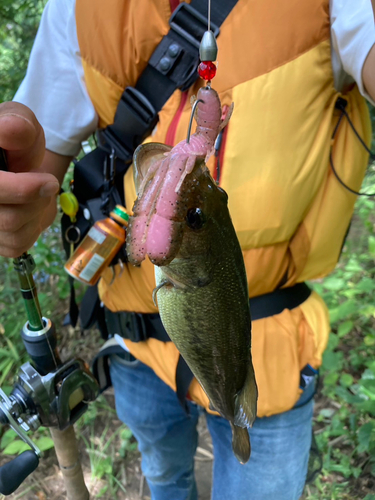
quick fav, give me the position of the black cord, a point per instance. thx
(341, 105)
(343, 183)
(372, 155)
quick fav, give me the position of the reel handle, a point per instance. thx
(13, 473)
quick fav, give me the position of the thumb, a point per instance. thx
(21, 136)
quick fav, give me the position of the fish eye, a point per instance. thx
(195, 218)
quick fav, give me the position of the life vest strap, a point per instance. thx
(275, 302)
(135, 326)
(173, 65)
(138, 327)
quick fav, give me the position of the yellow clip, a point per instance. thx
(69, 205)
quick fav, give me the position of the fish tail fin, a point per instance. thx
(241, 443)
(245, 407)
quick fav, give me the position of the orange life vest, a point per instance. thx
(289, 211)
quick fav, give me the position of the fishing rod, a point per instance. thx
(48, 392)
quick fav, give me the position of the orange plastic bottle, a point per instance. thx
(98, 247)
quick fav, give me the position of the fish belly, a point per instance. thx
(212, 333)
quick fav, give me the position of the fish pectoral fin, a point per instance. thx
(245, 406)
(241, 443)
(156, 289)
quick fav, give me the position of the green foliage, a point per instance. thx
(346, 426)
(128, 444)
(19, 22)
(11, 444)
(106, 448)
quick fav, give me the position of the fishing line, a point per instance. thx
(340, 105)
(209, 15)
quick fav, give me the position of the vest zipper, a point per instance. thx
(171, 132)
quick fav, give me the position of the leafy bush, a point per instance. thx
(345, 424)
(19, 21)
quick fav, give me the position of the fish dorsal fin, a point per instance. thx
(245, 406)
(145, 157)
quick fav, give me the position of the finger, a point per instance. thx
(14, 217)
(27, 187)
(16, 243)
(18, 126)
(22, 136)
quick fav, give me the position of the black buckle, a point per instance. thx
(132, 326)
(308, 374)
(134, 120)
(341, 104)
(190, 24)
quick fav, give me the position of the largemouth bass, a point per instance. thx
(181, 222)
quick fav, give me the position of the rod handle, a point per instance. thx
(13, 473)
(3, 160)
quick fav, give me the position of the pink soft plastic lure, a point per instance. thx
(160, 209)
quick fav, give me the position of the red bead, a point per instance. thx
(207, 70)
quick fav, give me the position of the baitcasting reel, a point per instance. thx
(48, 392)
(55, 399)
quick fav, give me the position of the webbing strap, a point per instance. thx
(138, 327)
(173, 65)
(100, 364)
(100, 370)
(275, 302)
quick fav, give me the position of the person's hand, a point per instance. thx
(27, 194)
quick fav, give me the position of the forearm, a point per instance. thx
(55, 164)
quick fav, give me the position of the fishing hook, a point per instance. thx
(191, 119)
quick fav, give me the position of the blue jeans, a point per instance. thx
(167, 439)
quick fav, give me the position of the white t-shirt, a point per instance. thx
(54, 86)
